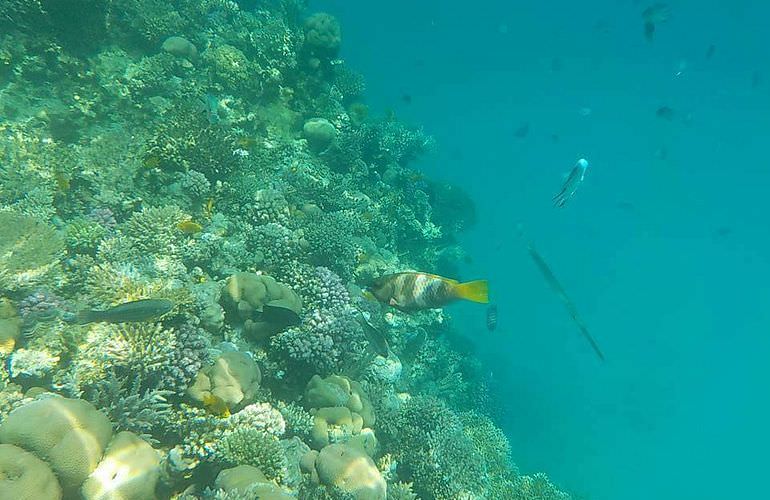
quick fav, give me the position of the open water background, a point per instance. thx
(665, 249)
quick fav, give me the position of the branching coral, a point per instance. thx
(163, 170)
(253, 447)
(427, 440)
(129, 407)
(331, 240)
(131, 350)
(154, 231)
(324, 343)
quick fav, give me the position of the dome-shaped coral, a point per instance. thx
(23, 476)
(233, 378)
(350, 469)
(128, 471)
(323, 35)
(68, 433)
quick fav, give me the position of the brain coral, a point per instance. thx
(129, 471)
(352, 470)
(23, 476)
(70, 434)
(234, 377)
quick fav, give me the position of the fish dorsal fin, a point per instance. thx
(437, 277)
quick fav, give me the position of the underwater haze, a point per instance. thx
(664, 248)
(405, 250)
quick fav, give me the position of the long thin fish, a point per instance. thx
(556, 286)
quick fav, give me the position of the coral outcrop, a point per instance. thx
(220, 155)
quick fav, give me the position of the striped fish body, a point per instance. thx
(412, 291)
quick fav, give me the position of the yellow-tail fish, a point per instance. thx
(189, 226)
(216, 406)
(413, 291)
(137, 310)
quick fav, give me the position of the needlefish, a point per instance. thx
(550, 278)
(129, 312)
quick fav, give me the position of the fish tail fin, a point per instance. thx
(368, 296)
(475, 291)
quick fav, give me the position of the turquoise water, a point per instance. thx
(664, 248)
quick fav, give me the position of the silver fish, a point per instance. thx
(571, 183)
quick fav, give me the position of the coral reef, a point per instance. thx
(219, 155)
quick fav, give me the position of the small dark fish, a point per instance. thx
(626, 206)
(710, 51)
(406, 98)
(377, 341)
(654, 15)
(522, 131)
(279, 316)
(756, 79)
(492, 318)
(665, 113)
(556, 287)
(554, 138)
(209, 105)
(137, 310)
(724, 231)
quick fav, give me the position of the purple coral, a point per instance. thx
(324, 341)
(329, 289)
(41, 305)
(104, 217)
(190, 355)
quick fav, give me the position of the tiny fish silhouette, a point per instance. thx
(571, 184)
(492, 318)
(665, 113)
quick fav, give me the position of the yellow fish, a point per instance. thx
(216, 406)
(413, 291)
(189, 227)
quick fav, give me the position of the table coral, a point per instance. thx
(29, 251)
